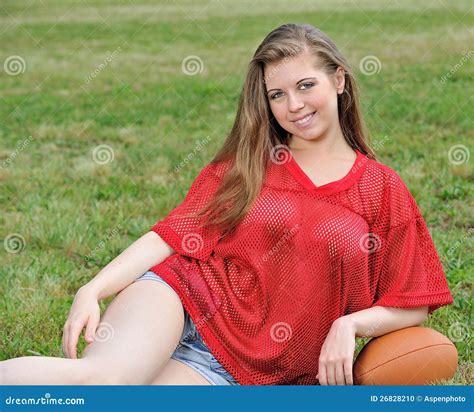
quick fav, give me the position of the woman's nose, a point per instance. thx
(295, 103)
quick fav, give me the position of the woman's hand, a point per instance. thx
(85, 311)
(337, 353)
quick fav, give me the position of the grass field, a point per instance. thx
(79, 75)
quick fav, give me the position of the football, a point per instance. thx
(409, 356)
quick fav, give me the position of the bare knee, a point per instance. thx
(147, 320)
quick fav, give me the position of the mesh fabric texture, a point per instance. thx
(265, 297)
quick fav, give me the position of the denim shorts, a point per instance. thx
(192, 350)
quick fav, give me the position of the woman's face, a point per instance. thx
(296, 89)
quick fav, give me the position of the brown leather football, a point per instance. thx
(409, 356)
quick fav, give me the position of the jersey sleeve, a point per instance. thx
(187, 235)
(410, 273)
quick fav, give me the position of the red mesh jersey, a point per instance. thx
(264, 298)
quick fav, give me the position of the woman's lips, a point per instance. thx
(306, 120)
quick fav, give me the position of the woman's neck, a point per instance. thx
(321, 149)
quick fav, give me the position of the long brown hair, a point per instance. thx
(256, 133)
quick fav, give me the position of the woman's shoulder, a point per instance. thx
(382, 174)
(393, 194)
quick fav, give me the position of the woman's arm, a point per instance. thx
(337, 352)
(146, 252)
(379, 320)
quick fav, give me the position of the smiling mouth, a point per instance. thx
(304, 120)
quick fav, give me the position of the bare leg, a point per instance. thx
(178, 373)
(144, 323)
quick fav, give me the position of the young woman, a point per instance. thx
(291, 242)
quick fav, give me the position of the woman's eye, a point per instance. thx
(309, 84)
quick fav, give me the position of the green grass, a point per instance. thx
(151, 114)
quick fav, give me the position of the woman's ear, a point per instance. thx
(340, 77)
